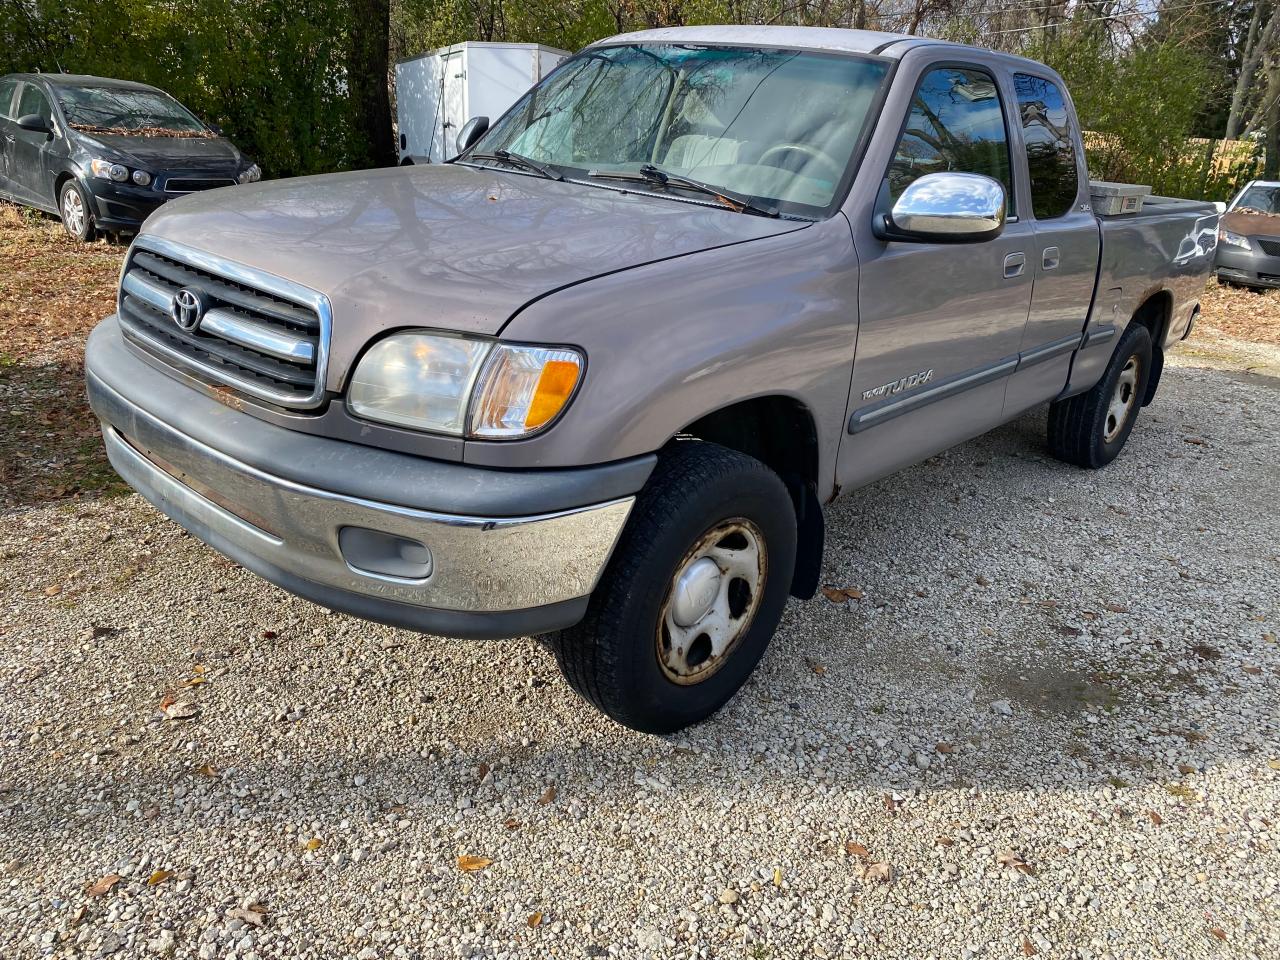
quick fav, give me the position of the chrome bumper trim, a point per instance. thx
(481, 564)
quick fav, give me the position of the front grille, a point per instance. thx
(193, 184)
(1270, 247)
(255, 332)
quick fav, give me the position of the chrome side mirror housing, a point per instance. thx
(946, 208)
(471, 131)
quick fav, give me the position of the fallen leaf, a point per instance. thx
(1155, 817)
(1195, 440)
(482, 771)
(1253, 671)
(944, 842)
(198, 668)
(207, 770)
(841, 594)
(945, 748)
(167, 700)
(313, 844)
(818, 668)
(1274, 764)
(159, 877)
(194, 681)
(52, 591)
(470, 864)
(534, 919)
(181, 710)
(892, 802)
(548, 796)
(1068, 631)
(1028, 948)
(104, 885)
(511, 823)
(1185, 768)
(1010, 860)
(252, 915)
(1218, 932)
(79, 915)
(269, 634)
(855, 849)
(880, 872)
(777, 876)
(1117, 608)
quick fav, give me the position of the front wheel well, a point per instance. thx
(781, 433)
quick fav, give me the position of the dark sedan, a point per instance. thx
(102, 154)
(1249, 237)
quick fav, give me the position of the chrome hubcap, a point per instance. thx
(73, 212)
(713, 598)
(1123, 399)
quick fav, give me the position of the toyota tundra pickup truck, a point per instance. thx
(596, 379)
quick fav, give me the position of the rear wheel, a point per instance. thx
(73, 205)
(1090, 429)
(692, 594)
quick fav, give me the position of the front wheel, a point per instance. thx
(1090, 429)
(692, 594)
(73, 205)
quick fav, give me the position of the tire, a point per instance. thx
(1090, 429)
(630, 656)
(74, 208)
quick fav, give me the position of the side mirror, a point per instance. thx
(946, 208)
(471, 131)
(215, 128)
(35, 123)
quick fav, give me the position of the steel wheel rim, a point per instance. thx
(1123, 400)
(711, 601)
(73, 212)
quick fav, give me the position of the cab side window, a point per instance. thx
(956, 123)
(34, 101)
(7, 87)
(1051, 146)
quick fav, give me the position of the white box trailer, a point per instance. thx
(438, 92)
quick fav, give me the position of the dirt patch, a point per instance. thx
(52, 292)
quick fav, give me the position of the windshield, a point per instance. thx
(1259, 199)
(124, 110)
(779, 125)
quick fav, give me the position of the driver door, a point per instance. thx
(28, 170)
(939, 324)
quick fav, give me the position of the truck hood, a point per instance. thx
(1252, 223)
(442, 246)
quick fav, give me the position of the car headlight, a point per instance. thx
(251, 174)
(141, 178)
(464, 387)
(109, 170)
(1232, 239)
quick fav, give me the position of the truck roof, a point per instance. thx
(832, 39)
(84, 80)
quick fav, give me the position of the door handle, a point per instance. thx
(1013, 265)
(1050, 259)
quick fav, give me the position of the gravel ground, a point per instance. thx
(1047, 727)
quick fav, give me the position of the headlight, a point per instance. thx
(1232, 239)
(108, 170)
(250, 175)
(463, 387)
(141, 178)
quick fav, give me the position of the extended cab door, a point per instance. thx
(1064, 256)
(939, 325)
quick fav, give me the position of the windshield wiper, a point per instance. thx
(649, 173)
(516, 160)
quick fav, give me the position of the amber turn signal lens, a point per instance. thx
(522, 389)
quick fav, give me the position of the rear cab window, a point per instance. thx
(1050, 143)
(956, 124)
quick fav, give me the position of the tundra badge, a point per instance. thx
(897, 386)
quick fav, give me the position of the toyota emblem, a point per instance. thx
(187, 308)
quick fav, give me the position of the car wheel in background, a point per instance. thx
(73, 206)
(1090, 429)
(692, 594)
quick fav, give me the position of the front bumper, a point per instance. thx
(120, 206)
(1251, 267)
(503, 568)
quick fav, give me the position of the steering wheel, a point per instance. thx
(812, 153)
